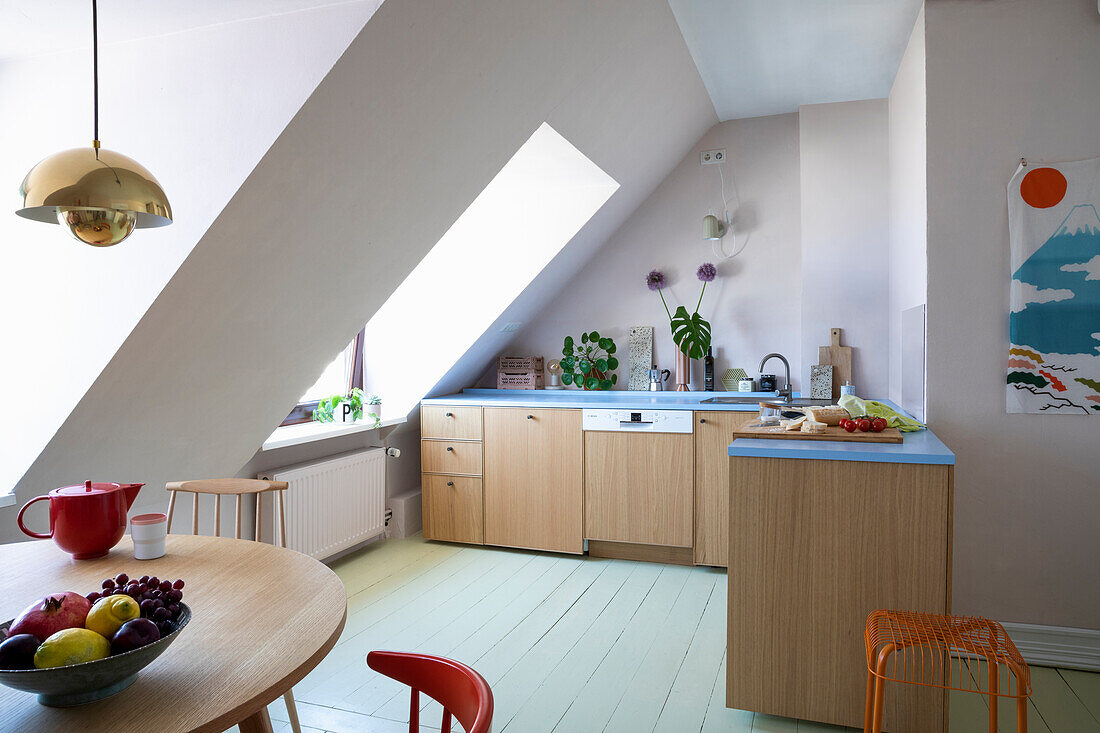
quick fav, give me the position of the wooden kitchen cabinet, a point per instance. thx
(815, 546)
(534, 483)
(713, 434)
(450, 481)
(625, 502)
(453, 509)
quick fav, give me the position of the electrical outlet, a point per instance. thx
(511, 327)
(712, 157)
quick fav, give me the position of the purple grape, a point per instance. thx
(158, 603)
(142, 588)
(174, 610)
(166, 585)
(161, 614)
(165, 628)
(153, 581)
(178, 585)
(143, 579)
(107, 584)
(121, 578)
(175, 595)
(93, 597)
(157, 594)
(147, 608)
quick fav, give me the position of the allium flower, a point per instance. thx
(655, 280)
(706, 272)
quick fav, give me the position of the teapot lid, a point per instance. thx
(88, 488)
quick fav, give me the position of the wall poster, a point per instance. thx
(1054, 295)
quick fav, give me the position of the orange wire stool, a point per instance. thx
(946, 652)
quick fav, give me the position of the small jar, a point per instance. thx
(746, 384)
(767, 383)
(150, 535)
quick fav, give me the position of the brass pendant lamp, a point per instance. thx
(100, 195)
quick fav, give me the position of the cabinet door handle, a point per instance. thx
(530, 417)
(702, 420)
(450, 483)
(448, 414)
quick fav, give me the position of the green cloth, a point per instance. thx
(894, 419)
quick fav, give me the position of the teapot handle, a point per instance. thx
(19, 519)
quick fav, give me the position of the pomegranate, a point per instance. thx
(52, 614)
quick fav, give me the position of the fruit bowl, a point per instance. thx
(77, 684)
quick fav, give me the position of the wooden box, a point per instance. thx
(528, 379)
(520, 364)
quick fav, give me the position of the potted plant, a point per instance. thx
(343, 407)
(589, 364)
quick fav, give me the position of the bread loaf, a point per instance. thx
(830, 414)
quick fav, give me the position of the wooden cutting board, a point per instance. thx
(832, 432)
(840, 357)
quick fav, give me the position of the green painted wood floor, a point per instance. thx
(574, 645)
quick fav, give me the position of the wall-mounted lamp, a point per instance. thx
(713, 228)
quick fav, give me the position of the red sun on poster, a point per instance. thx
(1043, 188)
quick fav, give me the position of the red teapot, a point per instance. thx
(86, 521)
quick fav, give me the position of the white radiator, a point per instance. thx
(335, 503)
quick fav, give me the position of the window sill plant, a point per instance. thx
(589, 364)
(347, 408)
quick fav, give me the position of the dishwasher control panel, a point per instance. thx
(638, 421)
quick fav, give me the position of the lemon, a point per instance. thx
(110, 613)
(71, 646)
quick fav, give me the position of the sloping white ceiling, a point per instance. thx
(207, 104)
(423, 109)
(766, 57)
(35, 28)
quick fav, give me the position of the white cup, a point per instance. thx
(150, 534)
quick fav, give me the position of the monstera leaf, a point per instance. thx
(691, 333)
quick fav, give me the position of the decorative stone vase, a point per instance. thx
(683, 371)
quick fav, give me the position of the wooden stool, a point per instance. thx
(236, 487)
(942, 651)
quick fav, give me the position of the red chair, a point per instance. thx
(460, 690)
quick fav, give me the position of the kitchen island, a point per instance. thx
(820, 534)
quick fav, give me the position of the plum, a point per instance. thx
(133, 634)
(17, 651)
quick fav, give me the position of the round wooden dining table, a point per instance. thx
(262, 618)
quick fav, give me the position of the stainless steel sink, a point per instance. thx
(795, 402)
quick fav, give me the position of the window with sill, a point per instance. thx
(343, 374)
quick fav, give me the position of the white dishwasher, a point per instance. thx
(639, 477)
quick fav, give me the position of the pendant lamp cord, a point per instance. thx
(95, 79)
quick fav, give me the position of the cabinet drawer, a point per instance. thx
(454, 423)
(452, 508)
(447, 456)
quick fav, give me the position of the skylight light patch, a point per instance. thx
(537, 202)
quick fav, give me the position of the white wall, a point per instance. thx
(424, 107)
(752, 307)
(846, 235)
(198, 108)
(908, 195)
(1006, 80)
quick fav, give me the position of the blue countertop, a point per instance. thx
(920, 447)
(616, 398)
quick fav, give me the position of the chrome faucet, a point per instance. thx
(785, 392)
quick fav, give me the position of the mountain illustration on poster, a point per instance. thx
(1054, 323)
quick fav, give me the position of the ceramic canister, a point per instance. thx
(150, 534)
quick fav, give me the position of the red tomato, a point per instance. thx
(878, 424)
(864, 425)
(849, 425)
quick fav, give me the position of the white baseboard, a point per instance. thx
(1057, 646)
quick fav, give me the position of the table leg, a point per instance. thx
(258, 722)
